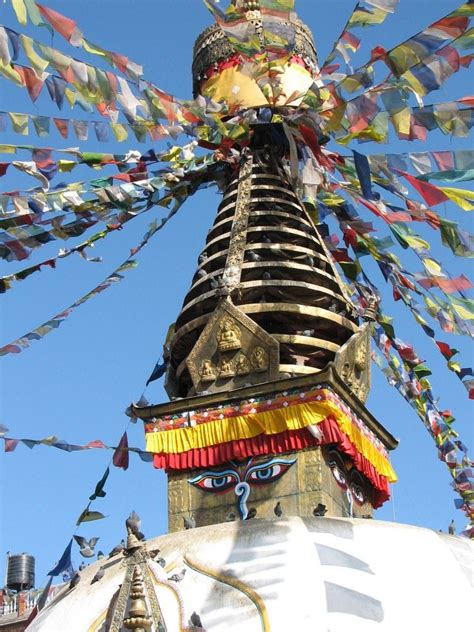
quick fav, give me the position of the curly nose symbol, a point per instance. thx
(242, 491)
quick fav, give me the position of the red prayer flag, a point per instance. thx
(62, 126)
(60, 23)
(446, 349)
(95, 444)
(10, 444)
(121, 456)
(431, 194)
(32, 82)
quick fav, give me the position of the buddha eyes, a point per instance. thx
(338, 475)
(215, 481)
(355, 490)
(357, 494)
(262, 475)
(259, 474)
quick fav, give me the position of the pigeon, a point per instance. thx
(253, 256)
(161, 561)
(100, 555)
(202, 257)
(308, 259)
(277, 510)
(266, 239)
(195, 620)
(74, 581)
(134, 523)
(189, 523)
(319, 511)
(98, 576)
(177, 577)
(117, 549)
(452, 528)
(82, 566)
(201, 273)
(86, 547)
(266, 276)
(230, 517)
(251, 514)
(308, 332)
(214, 283)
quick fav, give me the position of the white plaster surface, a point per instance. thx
(304, 575)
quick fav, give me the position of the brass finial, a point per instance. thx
(370, 313)
(137, 617)
(132, 541)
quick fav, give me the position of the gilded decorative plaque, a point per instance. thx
(232, 352)
(352, 362)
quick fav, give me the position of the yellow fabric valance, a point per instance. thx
(271, 422)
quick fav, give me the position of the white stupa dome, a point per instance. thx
(321, 574)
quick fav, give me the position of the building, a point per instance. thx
(274, 463)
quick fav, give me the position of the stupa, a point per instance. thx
(274, 463)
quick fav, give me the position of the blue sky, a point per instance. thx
(77, 382)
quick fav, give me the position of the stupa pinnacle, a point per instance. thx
(268, 365)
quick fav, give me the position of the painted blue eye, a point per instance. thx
(215, 481)
(338, 475)
(219, 483)
(269, 471)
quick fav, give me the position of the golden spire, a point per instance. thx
(136, 617)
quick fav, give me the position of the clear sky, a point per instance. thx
(77, 382)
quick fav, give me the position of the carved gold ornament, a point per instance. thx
(259, 359)
(242, 365)
(208, 373)
(228, 336)
(226, 369)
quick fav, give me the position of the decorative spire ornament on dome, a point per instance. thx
(137, 613)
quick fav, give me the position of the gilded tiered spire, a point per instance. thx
(264, 254)
(268, 367)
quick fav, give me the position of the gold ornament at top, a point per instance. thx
(228, 336)
(259, 359)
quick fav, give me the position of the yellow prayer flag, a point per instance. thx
(416, 242)
(66, 165)
(414, 84)
(7, 149)
(38, 63)
(19, 122)
(93, 48)
(20, 10)
(70, 96)
(120, 132)
(432, 266)
(401, 121)
(460, 197)
(11, 74)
